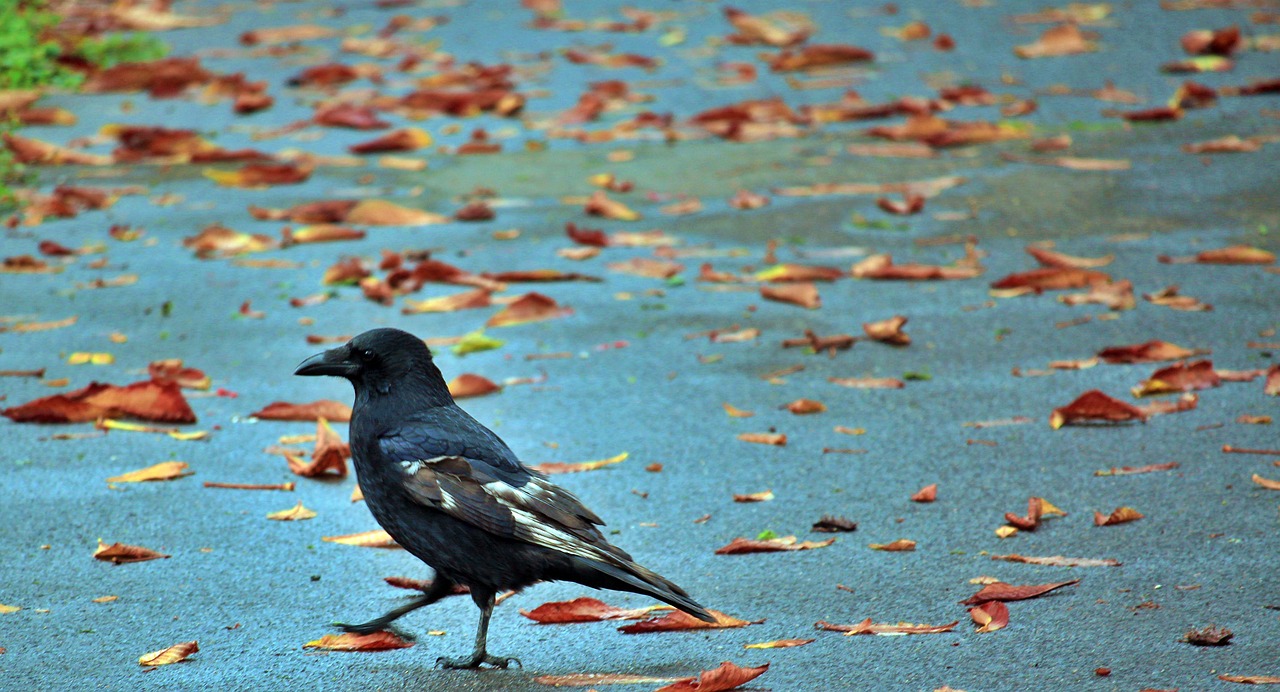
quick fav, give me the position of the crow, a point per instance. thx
(452, 493)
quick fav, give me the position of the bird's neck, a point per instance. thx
(407, 394)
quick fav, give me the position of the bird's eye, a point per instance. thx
(367, 354)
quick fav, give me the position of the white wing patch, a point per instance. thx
(411, 467)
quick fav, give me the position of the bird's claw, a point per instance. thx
(474, 661)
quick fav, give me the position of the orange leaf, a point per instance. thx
(260, 175)
(743, 546)
(1130, 470)
(778, 439)
(805, 406)
(1052, 279)
(818, 55)
(173, 654)
(803, 294)
(651, 268)
(475, 298)
(990, 616)
(1235, 254)
(1064, 39)
(349, 641)
(1272, 385)
(592, 679)
(407, 139)
(1266, 482)
(868, 382)
(1149, 352)
(868, 627)
(1252, 679)
(678, 620)
(531, 307)
(798, 272)
(737, 412)
(1121, 515)
(172, 370)
(367, 539)
(150, 400)
(929, 493)
(728, 676)
(586, 610)
(320, 233)
(899, 546)
(119, 553)
(1000, 591)
(1093, 405)
(882, 267)
(324, 408)
(601, 205)
(1049, 258)
(376, 212)
(888, 331)
(164, 471)
(468, 385)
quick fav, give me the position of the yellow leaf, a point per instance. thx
(367, 539)
(295, 513)
(9, 609)
(173, 654)
(164, 471)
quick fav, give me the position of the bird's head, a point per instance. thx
(378, 361)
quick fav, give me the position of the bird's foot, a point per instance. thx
(475, 660)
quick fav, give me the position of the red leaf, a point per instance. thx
(729, 676)
(990, 616)
(119, 553)
(743, 546)
(1000, 591)
(584, 610)
(530, 307)
(1052, 279)
(678, 620)
(868, 627)
(469, 385)
(1121, 515)
(152, 400)
(929, 493)
(1096, 406)
(803, 294)
(324, 408)
(1150, 352)
(348, 641)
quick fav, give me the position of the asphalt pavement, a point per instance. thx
(633, 370)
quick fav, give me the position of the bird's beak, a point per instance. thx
(331, 362)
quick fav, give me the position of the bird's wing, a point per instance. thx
(512, 503)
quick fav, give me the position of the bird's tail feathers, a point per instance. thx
(638, 579)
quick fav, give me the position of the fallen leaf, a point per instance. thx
(902, 628)
(1179, 377)
(119, 553)
(593, 679)
(1064, 39)
(743, 546)
(1149, 352)
(729, 676)
(737, 412)
(475, 298)
(601, 205)
(833, 524)
(1095, 406)
(806, 406)
(164, 471)
(1252, 679)
(407, 139)
(888, 331)
(779, 644)
(868, 382)
(586, 610)
(1235, 254)
(555, 467)
(173, 654)
(1052, 279)
(172, 370)
(899, 546)
(763, 496)
(1059, 561)
(1208, 636)
(530, 307)
(778, 439)
(928, 493)
(324, 408)
(150, 400)
(349, 641)
(818, 55)
(219, 241)
(678, 620)
(1000, 591)
(1120, 515)
(643, 266)
(295, 513)
(259, 175)
(990, 616)
(367, 539)
(1267, 483)
(1130, 470)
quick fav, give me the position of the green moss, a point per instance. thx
(28, 55)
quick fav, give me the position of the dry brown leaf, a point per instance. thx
(120, 553)
(586, 610)
(743, 546)
(1120, 515)
(899, 546)
(778, 439)
(678, 620)
(349, 641)
(173, 654)
(150, 400)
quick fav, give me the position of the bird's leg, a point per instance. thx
(480, 655)
(440, 587)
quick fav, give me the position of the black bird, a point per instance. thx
(453, 494)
